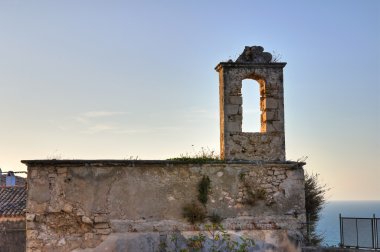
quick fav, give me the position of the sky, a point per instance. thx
(135, 79)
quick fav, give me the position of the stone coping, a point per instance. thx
(122, 162)
(249, 64)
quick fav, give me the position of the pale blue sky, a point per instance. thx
(114, 79)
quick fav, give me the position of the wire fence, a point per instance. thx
(360, 232)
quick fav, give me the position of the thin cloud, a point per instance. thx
(101, 113)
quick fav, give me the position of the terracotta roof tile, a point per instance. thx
(12, 201)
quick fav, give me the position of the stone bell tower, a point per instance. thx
(269, 143)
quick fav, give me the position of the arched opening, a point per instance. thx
(251, 106)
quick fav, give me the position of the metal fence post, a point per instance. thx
(341, 230)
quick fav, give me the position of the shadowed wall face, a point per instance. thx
(269, 143)
(12, 234)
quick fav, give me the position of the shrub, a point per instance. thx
(315, 199)
(194, 212)
(203, 189)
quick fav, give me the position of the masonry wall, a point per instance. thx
(269, 143)
(79, 205)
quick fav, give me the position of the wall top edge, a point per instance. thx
(249, 64)
(121, 162)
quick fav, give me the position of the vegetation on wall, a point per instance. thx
(315, 199)
(203, 189)
(194, 212)
(213, 238)
(203, 156)
(253, 192)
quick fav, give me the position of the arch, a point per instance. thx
(251, 111)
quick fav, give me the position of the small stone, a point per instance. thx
(88, 236)
(80, 212)
(61, 242)
(281, 177)
(103, 231)
(31, 234)
(30, 217)
(52, 175)
(102, 225)
(277, 172)
(61, 170)
(67, 208)
(219, 174)
(100, 219)
(86, 220)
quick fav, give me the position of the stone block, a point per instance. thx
(100, 218)
(104, 231)
(271, 103)
(269, 115)
(61, 170)
(89, 236)
(233, 126)
(31, 234)
(30, 217)
(86, 220)
(101, 225)
(235, 100)
(279, 126)
(67, 208)
(231, 109)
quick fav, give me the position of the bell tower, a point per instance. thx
(269, 143)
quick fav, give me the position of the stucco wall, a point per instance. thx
(78, 204)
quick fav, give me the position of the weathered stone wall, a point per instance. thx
(76, 205)
(269, 144)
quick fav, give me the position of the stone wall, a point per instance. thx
(269, 143)
(79, 205)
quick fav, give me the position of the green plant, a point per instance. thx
(213, 238)
(254, 192)
(215, 218)
(315, 198)
(203, 156)
(194, 212)
(196, 243)
(203, 189)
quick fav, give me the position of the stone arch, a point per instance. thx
(251, 105)
(269, 143)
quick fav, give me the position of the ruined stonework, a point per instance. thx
(269, 144)
(74, 205)
(139, 205)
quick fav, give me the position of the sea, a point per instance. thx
(328, 224)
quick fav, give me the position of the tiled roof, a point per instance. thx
(12, 201)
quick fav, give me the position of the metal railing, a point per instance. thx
(360, 232)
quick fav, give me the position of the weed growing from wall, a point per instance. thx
(194, 212)
(203, 189)
(253, 191)
(214, 238)
(205, 155)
